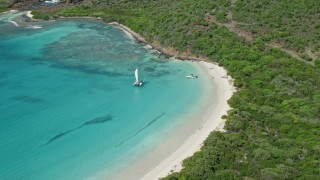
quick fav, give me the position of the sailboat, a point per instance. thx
(137, 82)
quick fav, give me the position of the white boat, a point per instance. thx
(33, 27)
(137, 82)
(52, 2)
(191, 76)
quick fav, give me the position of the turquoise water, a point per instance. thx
(68, 109)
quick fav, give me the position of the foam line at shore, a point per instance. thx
(13, 22)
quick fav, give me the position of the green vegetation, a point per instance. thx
(273, 130)
(4, 4)
(295, 24)
(44, 16)
(3, 9)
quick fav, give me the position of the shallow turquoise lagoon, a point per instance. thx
(68, 109)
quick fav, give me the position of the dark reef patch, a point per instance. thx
(146, 126)
(149, 69)
(97, 120)
(27, 99)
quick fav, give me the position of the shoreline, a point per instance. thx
(5, 12)
(29, 15)
(167, 52)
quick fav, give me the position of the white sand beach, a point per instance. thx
(29, 15)
(211, 122)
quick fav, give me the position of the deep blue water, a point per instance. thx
(68, 109)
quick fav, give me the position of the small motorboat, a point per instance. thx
(52, 2)
(33, 27)
(191, 76)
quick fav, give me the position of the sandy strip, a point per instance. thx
(129, 32)
(29, 15)
(10, 11)
(213, 122)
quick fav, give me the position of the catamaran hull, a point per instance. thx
(140, 83)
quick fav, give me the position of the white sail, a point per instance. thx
(136, 75)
